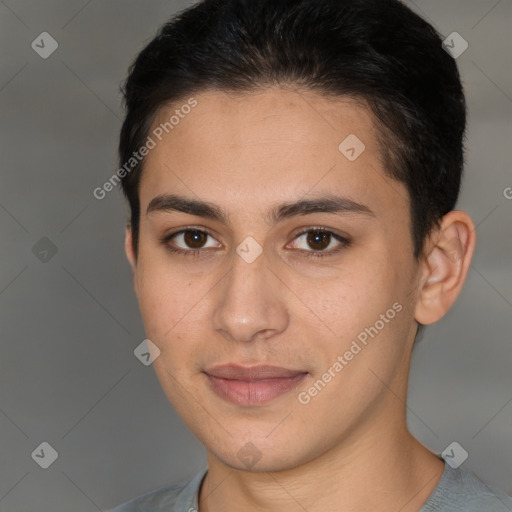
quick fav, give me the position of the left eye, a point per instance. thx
(318, 240)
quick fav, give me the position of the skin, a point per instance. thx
(247, 154)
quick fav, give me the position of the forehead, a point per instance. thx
(264, 146)
(273, 117)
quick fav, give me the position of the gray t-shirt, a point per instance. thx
(456, 491)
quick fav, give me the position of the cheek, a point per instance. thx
(174, 311)
(164, 297)
(350, 304)
(344, 298)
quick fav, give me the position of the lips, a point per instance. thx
(251, 386)
(251, 373)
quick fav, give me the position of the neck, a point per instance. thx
(388, 471)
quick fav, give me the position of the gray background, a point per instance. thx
(70, 324)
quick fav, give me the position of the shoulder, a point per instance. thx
(179, 497)
(459, 491)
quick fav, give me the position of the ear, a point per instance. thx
(444, 266)
(128, 247)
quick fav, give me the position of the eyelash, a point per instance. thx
(344, 243)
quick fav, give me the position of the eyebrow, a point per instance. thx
(324, 204)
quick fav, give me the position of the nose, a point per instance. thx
(250, 302)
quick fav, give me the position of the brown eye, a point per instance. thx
(318, 240)
(195, 239)
(190, 241)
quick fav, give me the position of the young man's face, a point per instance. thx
(344, 321)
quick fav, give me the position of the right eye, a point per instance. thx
(189, 241)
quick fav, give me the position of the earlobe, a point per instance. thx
(128, 247)
(445, 265)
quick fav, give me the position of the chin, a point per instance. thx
(259, 454)
(257, 461)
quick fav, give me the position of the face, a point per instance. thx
(276, 275)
